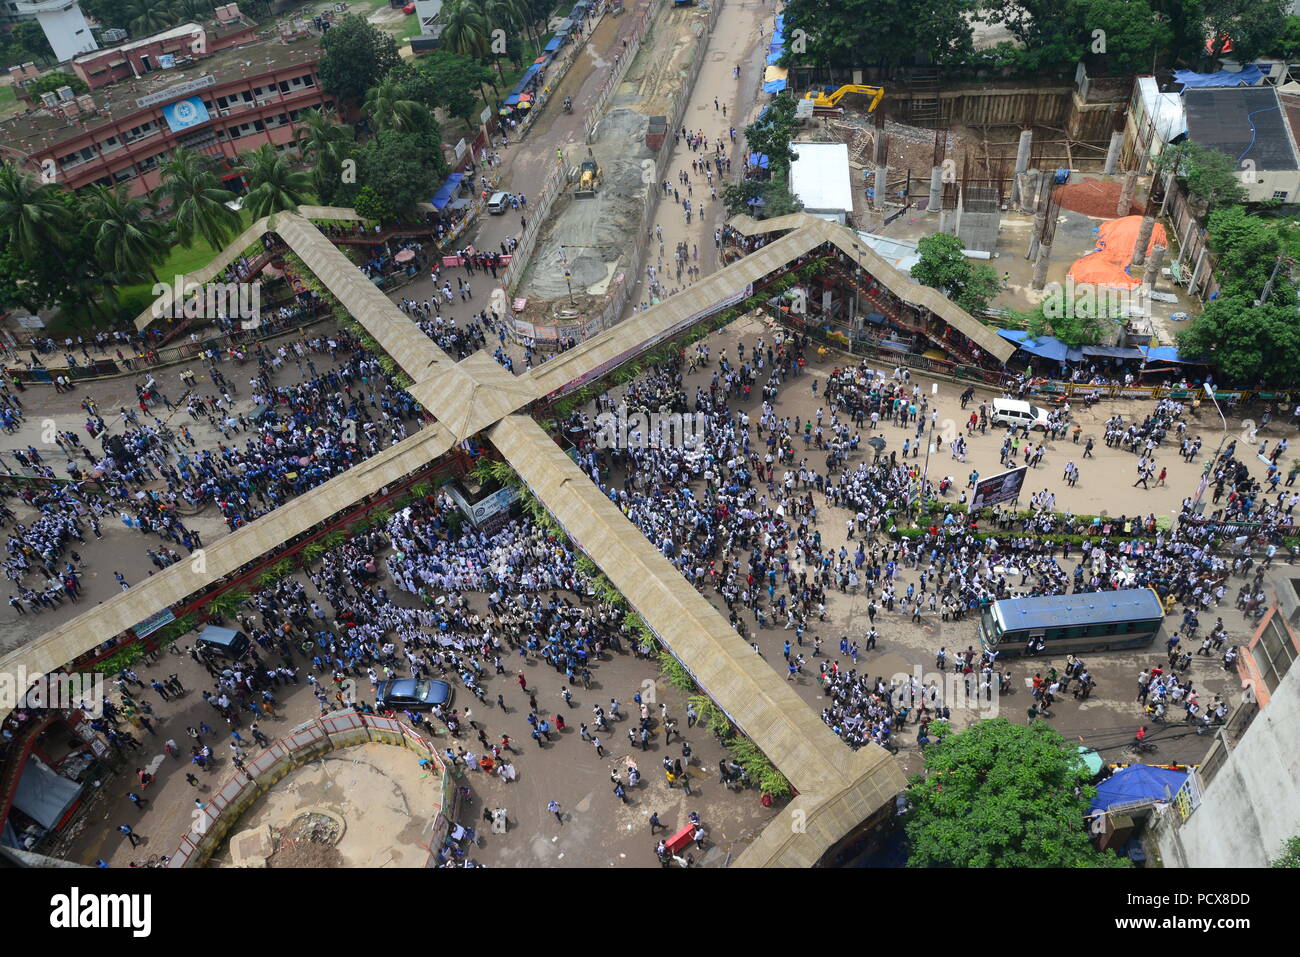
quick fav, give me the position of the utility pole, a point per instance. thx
(1209, 466)
(1268, 286)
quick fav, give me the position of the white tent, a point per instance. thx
(819, 176)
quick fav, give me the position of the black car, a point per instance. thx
(412, 694)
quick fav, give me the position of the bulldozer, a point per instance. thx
(588, 179)
(826, 102)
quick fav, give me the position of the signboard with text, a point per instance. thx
(996, 489)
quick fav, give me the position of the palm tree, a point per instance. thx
(508, 12)
(196, 10)
(465, 31)
(273, 185)
(324, 143)
(34, 220)
(127, 244)
(384, 105)
(197, 199)
(144, 17)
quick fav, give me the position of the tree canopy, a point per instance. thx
(1001, 795)
(357, 55)
(397, 170)
(942, 266)
(1252, 344)
(1211, 176)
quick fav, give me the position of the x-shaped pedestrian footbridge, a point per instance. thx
(837, 789)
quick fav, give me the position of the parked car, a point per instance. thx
(498, 203)
(1015, 412)
(412, 694)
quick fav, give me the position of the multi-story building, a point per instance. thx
(216, 89)
(64, 24)
(1242, 804)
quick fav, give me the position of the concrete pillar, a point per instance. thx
(1025, 185)
(882, 172)
(947, 219)
(1112, 153)
(1144, 162)
(1039, 220)
(1023, 152)
(936, 190)
(1126, 194)
(1196, 273)
(1040, 266)
(1169, 192)
(1143, 241)
(1152, 272)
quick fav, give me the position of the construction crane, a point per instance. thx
(824, 101)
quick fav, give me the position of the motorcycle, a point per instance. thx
(568, 105)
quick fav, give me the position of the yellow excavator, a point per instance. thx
(588, 179)
(825, 101)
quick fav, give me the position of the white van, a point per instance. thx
(498, 203)
(1016, 413)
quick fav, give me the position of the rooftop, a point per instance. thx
(38, 130)
(1245, 122)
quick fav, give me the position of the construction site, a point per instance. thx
(590, 240)
(1044, 184)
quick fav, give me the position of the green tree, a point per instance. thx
(772, 132)
(127, 243)
(29, 39)
(52, 81)
(401, 170)
(388, 110)
(1075, 329)
(34, 220)
(357, 55)
(197, 200)
(144, 17)
(454, 78)
(885, 33)
(1001, 795)
(1050, 32)
(1290, 856)
(324, 145)
(273, 185)
(1247, 246)
(1253, 26)
(1287, 45)
(464, 30)
(1211, 176)
(1251, 344)
(1131, 36)
(943, 266)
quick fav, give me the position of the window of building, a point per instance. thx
(1274, 652)
(1279, 194)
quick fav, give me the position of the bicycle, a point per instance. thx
(1142, 747)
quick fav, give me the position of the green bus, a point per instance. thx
(1083, 621)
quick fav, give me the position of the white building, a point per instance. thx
(64, 25)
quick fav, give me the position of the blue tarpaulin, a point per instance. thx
(1048, 347)
(1139, 782)
(446, 191)
(1113, 352)
(1161, 354)
(511, 100)
(759, 160)
(775, 86)
(553, 45)
(1248, 76)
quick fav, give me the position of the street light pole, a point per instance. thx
(929, 447)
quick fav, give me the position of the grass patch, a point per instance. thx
(8, 100)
